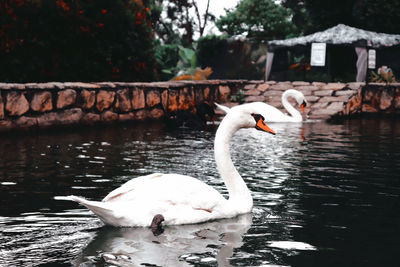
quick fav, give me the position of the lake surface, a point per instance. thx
(324, 195)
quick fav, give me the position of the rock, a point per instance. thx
(318, 84)
(318, 106)
(5, 125)
(307, 89)
(385, 100)
(90, 118)
(312, 98)
(142, 114)
(333, 86)
(224, 92)
(26, 122)
(250, 86)
(42, 102)
(152, 98)
(344, 92)
(199, 96)
(208, 94)
(333, 99)
(300, 83)
(123, 102)
(1, 108)
(172, 101)
(252, 92)
(138, 100)
(70, 116)
(323, 92)
(281, 86)
(186, 99)
(273, 93)
(104, 100)
(66, 98)
(127, 117)
(48, 119)
(330, 110)
(109, 116)
(355, 85)
(156, 113)
(353, 105)
(16, 104)
(254, 98)
(88, 99)
(396, 102)
(368, 109)
(164, 99)
(263, 87)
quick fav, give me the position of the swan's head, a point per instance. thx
(249, 116)
(299, 97)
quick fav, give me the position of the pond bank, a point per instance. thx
(38, 105)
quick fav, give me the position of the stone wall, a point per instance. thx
(374, 99)
(324, 99)
(53, 104)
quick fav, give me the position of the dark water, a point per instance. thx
(324, 195)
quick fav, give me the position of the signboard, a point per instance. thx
(318, 53)
(371, 59)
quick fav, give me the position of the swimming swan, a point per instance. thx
(275, 115)
(181, 199)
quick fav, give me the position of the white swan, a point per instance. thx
(182, 199)
(275, 115)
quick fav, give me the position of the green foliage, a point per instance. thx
(231, 59)
(167, 57)
(374, 15)
(383, 75)
(71, 40)
(257, 19)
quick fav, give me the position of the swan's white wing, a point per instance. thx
(128, 186)
(166, 190)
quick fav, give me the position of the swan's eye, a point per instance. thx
(257, 117)
(304, 104)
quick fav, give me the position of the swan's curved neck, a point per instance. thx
(292, 111)
(238, 191)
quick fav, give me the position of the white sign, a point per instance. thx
(318, 53)
(371, 58)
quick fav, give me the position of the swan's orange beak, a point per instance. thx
(263, 127)
(303, 107)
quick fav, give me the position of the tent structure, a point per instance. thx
(339, 35)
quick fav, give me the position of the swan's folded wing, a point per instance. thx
(130, 186)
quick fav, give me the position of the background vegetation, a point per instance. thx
(143, 40)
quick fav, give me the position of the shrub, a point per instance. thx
(75, 40)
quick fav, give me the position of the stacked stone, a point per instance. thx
(49, 104)
(374, 98)
(324, 99)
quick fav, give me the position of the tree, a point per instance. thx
(181, 20)
(262, 19)
(374, 15)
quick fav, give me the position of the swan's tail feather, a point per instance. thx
(101, 209)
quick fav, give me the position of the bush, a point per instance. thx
(231, 59)
(75, 40)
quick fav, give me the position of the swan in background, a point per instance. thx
(180, 199)
(275, 115)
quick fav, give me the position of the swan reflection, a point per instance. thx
(180, 245)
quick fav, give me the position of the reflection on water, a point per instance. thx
(211, 242)
(324, 195)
